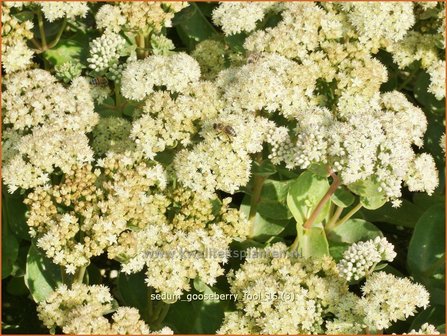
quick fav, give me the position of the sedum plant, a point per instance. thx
(229, 168)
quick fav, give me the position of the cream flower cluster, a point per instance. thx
(15, 53)
(112, 134)
(175, 72)
(63, 9)
(104, 203)
(437, 79)
(141, 17)
(210, 54)
(105, 51)
(237, 17)
(52, 121)
(80, 310)
(370, 139)
(425, 329)
(387, 299)
(167, 121)
(380, 23)
(425, 43)
(222, 160)
(361, 258)
(194, 243)
(280, 293)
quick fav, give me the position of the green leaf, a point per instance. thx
(273, 202)
(434, 315)
(10, 247)
(424, 97)
(263, 227)
(42, 276)
(343, 197)
(354, 230)
(266, 168)
(314, 243)
(304, 194)
(14, 213)
(199, 285)
(406, 215)
(370, 196)
(236, 41)
(336, 250)
(192, 26)
(426, 252)
(188, 316)
(74, 49)
(16, 286)
(135, 292)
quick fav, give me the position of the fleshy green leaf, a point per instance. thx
(42, 276)
(426, 252)
(192, 26)
(135, 292)
(304, 194)
(354, 230)
(406, 215)
(74, 49)
(343, 197)
(10, 247)
(314, 243)
(370, 196)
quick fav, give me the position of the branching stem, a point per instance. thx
(335, 183)
(348, 215)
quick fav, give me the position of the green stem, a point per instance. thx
(36, 44)
(258, 183)
(79, 275)
(295, 243)
(62, 274)
(348, 215)
(164, 311)
(334, 218)
(335, 183)
(41, 29)
(119, 101)
(139, 39)
(59, 34)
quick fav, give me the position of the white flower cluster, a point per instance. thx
(15, 53)
(166, 121)
(112, 134)
(279, 293)
(175, 72)
(105, 51)
(52, 121)
(425, 43)
(194, 243)
(80, 310)
(237, 17)
(360, 258)
(142, 17)
(437, 79)
(210, 54)
(269, 84)
(380, 23)
(371, 138)
(387, 299)
(68, 71)
(425, 329)
(63, 9)
(222, 160)
(125, 192)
